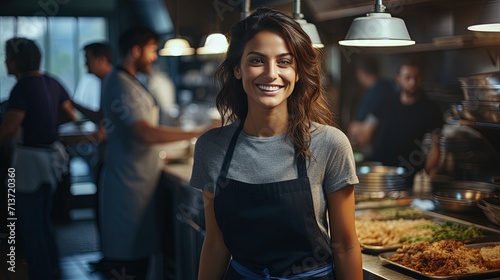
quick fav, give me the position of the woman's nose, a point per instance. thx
(271, 71)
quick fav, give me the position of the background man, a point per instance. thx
(397, 126)
(368, 75)
(133, 167)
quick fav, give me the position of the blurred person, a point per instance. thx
(377, 88)
(39, 159)
(397, 126)
(129, 225)
(271, 176)
(163, 90)
(98, 62)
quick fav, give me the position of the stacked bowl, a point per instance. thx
(461, 196)
(377, 182)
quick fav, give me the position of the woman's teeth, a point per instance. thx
(269, 88)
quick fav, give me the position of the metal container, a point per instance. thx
(483, 79)
(481, 93)
(379, 182)
(461, 196)
(484, 111)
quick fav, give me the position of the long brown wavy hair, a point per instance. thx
(306, 104)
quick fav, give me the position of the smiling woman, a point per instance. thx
(268, 71)
(270, 177)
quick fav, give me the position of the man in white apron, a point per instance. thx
(132, 168)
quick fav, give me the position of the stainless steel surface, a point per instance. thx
(461, 196)
(379, 182)
(483, 93)
(377, 267)
(483, 79)
(485, 111)
(491, 214)
(386, 258)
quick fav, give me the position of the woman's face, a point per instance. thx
(267, 69)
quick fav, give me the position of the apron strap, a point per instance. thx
(230, 150)
(301, 165)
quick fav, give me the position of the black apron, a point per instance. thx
(270, 229)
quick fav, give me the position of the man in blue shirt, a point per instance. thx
(377, 89)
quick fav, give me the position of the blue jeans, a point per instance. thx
(40, 247)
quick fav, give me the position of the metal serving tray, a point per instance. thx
(489, 234)
(487, 274)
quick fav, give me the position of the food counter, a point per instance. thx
(189, 229)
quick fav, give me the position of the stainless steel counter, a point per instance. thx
(373, 267)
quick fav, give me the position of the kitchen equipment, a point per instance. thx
(492, 213)
(459, 200)
(483, 79)
(461, 196)
(379, 182)
(482, 93)
(481, 87)
(485, 111)
(465, 155)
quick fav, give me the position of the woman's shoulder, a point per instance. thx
(218, 135)
(323, 132)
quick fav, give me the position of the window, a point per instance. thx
(60, 40)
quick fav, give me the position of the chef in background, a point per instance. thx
(129, 181)
(397, 126)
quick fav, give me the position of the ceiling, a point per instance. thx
(195, 19)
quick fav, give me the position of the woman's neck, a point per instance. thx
(265, 124)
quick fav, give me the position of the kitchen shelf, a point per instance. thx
(429, 47)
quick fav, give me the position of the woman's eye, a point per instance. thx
(285, 62)
(256, 60)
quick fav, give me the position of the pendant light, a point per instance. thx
(216, 43)
(309, 28)
(377, 29)
(488, 19)
(176, 46)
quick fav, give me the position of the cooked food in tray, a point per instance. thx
(447, 257)
(390, 214)
(390, 233)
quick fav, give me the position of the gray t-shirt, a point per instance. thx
(264, 160)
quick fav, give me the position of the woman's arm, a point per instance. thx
(214, 254)
(344, 241)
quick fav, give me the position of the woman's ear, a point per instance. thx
(237, 72)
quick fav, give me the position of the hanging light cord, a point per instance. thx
(296, 10)
(176, 35)
(379, 7)
(246, 9)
